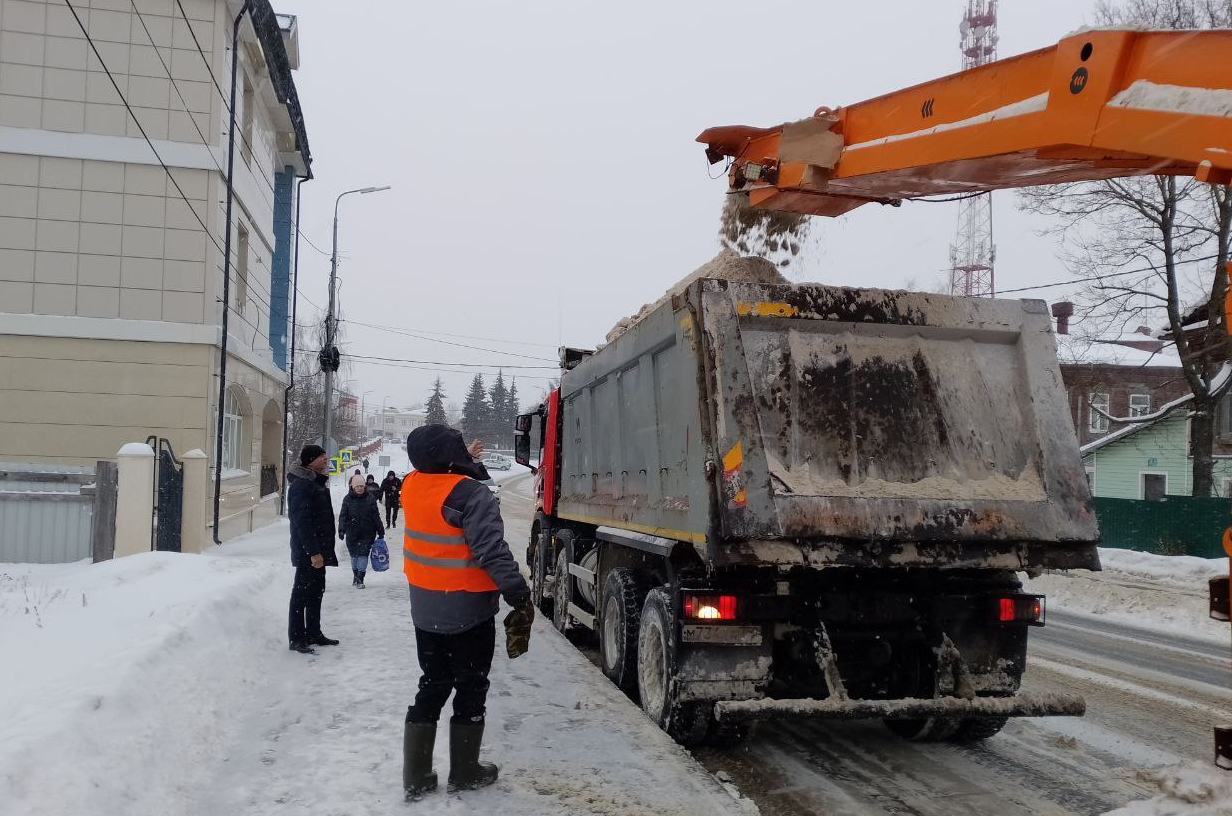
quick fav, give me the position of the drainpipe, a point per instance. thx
(286, 394)
(226, 268)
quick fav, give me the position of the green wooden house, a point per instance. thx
(1149, 460)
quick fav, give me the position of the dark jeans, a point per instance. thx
(391, 516)
(306, 594)
(453, 663)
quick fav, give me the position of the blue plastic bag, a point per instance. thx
(380, 555)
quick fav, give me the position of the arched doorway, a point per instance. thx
(271, 448)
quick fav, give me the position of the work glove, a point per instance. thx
(517, 629)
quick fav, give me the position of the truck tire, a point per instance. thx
(930, 729)
(561, 594)
(687, 723)
(620, 612)
(976, 729)
(539, 572)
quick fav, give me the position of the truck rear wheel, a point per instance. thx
(930, 729)
(976, 729)
(687, 723)
(620, 612)
(561, 594)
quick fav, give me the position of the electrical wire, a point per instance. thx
(1080, 281)
(447, 334)
(433, 362)
(450, 343)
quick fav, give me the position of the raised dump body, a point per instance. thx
(822, 425)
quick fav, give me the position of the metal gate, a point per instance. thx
(165, 533)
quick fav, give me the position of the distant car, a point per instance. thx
(496, 462)
(494, 487)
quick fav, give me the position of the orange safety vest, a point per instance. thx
(435, 554)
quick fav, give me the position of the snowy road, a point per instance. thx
(1152, 699)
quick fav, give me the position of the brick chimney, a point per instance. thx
(1063, 311)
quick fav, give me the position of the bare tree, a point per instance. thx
(306, 402)
(1153, 249)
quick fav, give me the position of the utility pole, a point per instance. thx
(329, 357)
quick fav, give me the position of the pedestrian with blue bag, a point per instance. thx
(359, 524)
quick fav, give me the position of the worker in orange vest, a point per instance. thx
(457, 565)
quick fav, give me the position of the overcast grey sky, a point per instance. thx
(545, 178)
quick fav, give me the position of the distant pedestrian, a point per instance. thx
(365, 464)
(311, 513)
(374, 489)
(390, 488)
(359, 523)
(457, 564)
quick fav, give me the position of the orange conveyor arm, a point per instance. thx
(1097, 105)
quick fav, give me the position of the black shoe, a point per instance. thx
(362, 573)
(302, 647)
(418, 777)
(321, 640)
(466, 772)
(355, 579)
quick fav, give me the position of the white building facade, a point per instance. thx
(113, 149)
(394, 423)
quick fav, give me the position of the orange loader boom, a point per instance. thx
(1097, 105)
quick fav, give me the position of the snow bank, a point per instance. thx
(1185, 790)
(1160, 592)
(1181, 569)
(122, 677)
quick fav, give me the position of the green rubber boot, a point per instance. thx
(466, 772)
(418, 777)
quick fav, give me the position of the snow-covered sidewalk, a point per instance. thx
(161, 684)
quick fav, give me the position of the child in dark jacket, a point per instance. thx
(359, 524)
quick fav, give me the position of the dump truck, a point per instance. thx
(776, 501)
(783, 501)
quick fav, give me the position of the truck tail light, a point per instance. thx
(1028, 609)
(710, 607)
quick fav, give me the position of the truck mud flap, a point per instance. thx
(909, 708)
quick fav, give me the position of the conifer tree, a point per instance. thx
(436, 405)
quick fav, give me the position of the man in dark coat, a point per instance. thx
(311, 513)
(457, 565)
(390, 488)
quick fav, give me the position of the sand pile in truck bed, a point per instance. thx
(727, 265)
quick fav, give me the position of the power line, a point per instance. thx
(496, 370)
(1106, 276)
(432, 362)
(450, 343)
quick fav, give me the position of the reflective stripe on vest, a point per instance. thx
(435, 554)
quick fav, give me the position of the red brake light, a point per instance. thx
(710, 607)
(1027, 609)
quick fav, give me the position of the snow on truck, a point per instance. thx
(785, 501)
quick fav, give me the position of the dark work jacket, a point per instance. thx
(360, 521)
(390, 488)
(311, 513)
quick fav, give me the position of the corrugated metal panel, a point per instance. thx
(44, 519)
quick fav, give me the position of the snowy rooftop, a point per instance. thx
(1075, 349)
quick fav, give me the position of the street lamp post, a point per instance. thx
(363, 414)
(329, 354)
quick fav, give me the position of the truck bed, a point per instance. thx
(822, 425)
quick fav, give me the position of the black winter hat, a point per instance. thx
(440, 449)
(310, 453)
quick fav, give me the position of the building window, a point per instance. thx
(1154, 486)
(1098, 422)
(246, 124)
(1225, 488)
(232, 433)
(241, 266)
(1139, 405)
